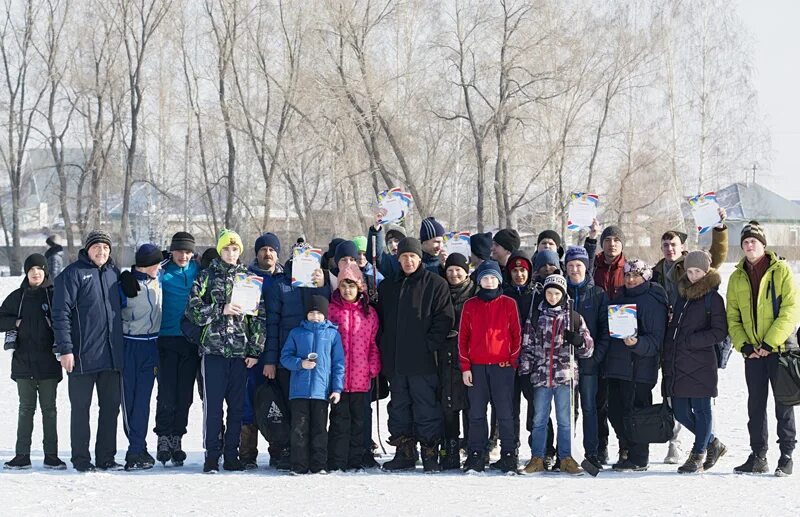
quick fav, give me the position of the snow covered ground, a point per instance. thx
(169, 491)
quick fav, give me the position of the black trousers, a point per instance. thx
(623, 397)
(496, 384)
(346, 432)
(177, 371)
(759, 374)
(223, 382)
(282, 376)
(602, 413)
(414, 408)
(81, 388)
(309, 437)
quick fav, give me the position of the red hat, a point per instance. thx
(515, 262)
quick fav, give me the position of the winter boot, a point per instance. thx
(694, 464)
(508, 463)
(368, 461)
(53, 462)
(673, 454)
(405, 455)
(284, 461)
(19, 462)
(756, 464)
(233, 464)
(430, 457)
(785, 465)
(569, 466)
(136, 461)
(211, 466)
(164, 449)
(84, 466)
(715, 451)
(534, 466)
(178, 455)
(248, 446)
(602, 456)
(623, 455)
(450, 459)
(110, 465)
(476, 462)
(628, 466)
(147, 458)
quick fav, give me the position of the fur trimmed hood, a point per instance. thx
(705, 285)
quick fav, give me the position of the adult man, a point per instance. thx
(610, 262)
(480, 247)
(762, 314)
(504, 243)
(431, 235)
(54, 256)
(88, 340)
(417, 316)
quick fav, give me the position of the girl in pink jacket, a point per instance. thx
(358, 326)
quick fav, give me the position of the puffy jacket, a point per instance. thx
(489, 332)
(416, 317)
(640, 363)
(611, 277)
(228, 336)
(141, 315)
(86, 315)
(522, 294)
(359, 332)
(689, 360)
(33, 356)
(453, 390)
(55, 260)
(758, 325)
(176, 283)
(591, 302)
(328, 376)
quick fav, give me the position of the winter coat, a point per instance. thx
(141, 315)
(328, 376)
(591, 303)
(640, 363)
(454, 392)
(55, 260)
(689, 359)
(522, 294)
(764, 328)
(267, 278)
(548, 353)
(432, 263)
(611, 277)
(359, 333)
(228, 336)
(176, 283)
(489, 332)
(86, 315)
(33, 356)
(286, 308)
(663, 276)
(416, 316)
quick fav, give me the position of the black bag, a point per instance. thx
(653, 424)
(724, 348)
(271, 414)
(791, 342)
(787, 379)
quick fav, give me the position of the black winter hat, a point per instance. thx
(317, 303)
(549, 234)
(345, 249)
(182, 241)
(268, 239)
(508, 238)
(148, 255)
(208, 256)
(480, 245)
(409, 245)
(35, 260)
(331, 251)
(457, 259)
(612, 231)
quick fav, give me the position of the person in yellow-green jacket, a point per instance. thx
(763, 312)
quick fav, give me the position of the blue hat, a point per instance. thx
(480, 245)
(345, 249)
(545, 258)
(268, 239)
(430, 229)
(489, 267)
(577, 253)
(148, 255)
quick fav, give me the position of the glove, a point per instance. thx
(748, 349)
(574, 338)
(129, 285)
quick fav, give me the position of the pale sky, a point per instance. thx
(773, 25)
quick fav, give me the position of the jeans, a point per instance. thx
(542, 398)
(695, 415)
(587, 387)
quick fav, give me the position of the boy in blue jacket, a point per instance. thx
(314, 355)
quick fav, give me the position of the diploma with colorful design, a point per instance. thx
(622, 320)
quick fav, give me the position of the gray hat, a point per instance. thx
(97, 237)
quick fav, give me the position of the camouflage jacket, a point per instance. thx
(545, 355)
(228, 336)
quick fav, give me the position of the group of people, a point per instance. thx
(459, 340)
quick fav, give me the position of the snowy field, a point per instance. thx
(170, 491)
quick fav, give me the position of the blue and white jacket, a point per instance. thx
(141, 315)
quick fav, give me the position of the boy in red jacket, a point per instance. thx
(488, 348)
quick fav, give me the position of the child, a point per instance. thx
(141, 322)
(317, 278)
(488, 348)
(314, 380)
(358, 328)
(230, 343)
(26, 313)
(557, 331)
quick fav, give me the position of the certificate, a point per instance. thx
(457, 242)
(247, 293)
(622, 321)
(306, 267)
(705, 210)
(394, 205)
(582, 210)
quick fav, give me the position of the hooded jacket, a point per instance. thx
(328, 376)
(176, 283)
(522, 294)
(358, 331)
(591, 303)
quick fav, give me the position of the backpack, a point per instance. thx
(272, 416)
(724, 348)
(194, 333)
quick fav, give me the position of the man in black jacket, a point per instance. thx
(416, 316)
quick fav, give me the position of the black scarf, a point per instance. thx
(487, 295)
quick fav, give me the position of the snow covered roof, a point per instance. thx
(747, 202)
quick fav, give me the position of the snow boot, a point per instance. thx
(248, 446)
(53, 462)
(211, 466)
(476, 462)
(569, 466)
(405, 455)
(450, 459)
(785, 465)
(110, 465)
(284, 461)
(368, 461)
(602, 456)
(137, 461)
(694, 464)
(508, 463)
(164, 449)
(430, 457)
(673, 454)
(85, 466)
(756, 464)
(716, 450)
(18, 462)
(233, 464)
(534, 466)
(628, 466)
